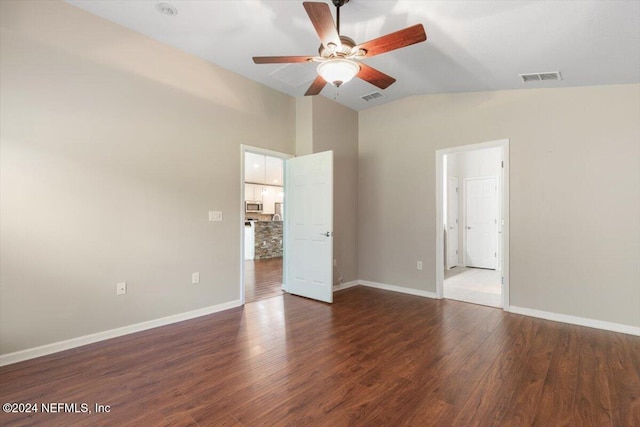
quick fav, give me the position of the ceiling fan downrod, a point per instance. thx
(338, 4)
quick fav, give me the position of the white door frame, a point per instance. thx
(504, 144)
(265, 152)
(458, 223)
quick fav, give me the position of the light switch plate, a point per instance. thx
(215, 215)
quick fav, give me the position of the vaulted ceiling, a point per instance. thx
(471, 46)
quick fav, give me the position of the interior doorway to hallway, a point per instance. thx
(472, 241)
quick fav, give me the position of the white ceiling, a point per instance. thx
(471, 46)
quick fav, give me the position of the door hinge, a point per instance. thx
(502, 164)
(502, 280)
(456, 220)
(495, 255)
(456, 252)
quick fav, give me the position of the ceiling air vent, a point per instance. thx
(538, 77)
(372, 96)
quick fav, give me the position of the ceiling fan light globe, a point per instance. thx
(338, 71)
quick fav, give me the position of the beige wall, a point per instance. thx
(304, 126)
(113, 149)
(335, 127)
(574, 199)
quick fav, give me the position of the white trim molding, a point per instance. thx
(32, 353)
(346, 285)
(575, 320)
(400, 289)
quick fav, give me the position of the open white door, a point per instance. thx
(309, 226)
(481, 222)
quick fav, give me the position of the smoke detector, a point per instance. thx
(166, 9)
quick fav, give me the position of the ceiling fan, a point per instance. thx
(339, 56)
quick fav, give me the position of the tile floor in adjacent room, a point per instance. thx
(475, 285)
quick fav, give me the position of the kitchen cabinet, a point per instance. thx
(270, 196)
(253, 193)
(273, 171)
(269, 199)
(259, 169)
(254, 168)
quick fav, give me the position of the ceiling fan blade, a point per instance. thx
(280, 59)
(322, 21)
(316, 87)
(375, 77)
(408, 36)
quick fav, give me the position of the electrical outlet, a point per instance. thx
(419, 266)
(195, 278)
(215, 215)
(121, 288)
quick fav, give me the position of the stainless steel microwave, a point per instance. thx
(255, 207)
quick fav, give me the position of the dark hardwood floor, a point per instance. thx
(262, 278)
(373, 358)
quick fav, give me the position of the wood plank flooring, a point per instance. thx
(262, 278)
(373, 358)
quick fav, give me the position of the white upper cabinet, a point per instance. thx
(253, 193)
(273, 171)
(259, 169)
(270, 196)
(254, 168)
(269, 199)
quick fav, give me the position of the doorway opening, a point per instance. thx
(472, 245)
(262, 219)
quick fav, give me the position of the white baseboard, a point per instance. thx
(400, 289)
(564, 318)
(575, 320)
(32, 353)
(346, 285)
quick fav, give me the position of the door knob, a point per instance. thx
(468, 228)
(327, 234)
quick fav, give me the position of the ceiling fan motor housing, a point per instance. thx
(345, 49)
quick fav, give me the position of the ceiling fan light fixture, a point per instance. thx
(338, 71)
